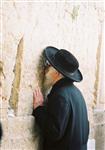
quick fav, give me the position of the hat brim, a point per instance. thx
(50, 56)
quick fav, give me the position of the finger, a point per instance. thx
(34, 95)
(37, 96)
(37, 91)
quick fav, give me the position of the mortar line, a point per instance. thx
(98, 55)
(58, 1)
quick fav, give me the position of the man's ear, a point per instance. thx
(59, 74)
(56, 74)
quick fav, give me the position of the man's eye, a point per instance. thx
(47, 64)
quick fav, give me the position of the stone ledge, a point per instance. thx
(20, 133)
(99, 116)
(99, 128)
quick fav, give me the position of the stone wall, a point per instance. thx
(27, 28)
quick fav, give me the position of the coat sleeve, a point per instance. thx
(53, 121)
(40, 114)
(57, 119)
(1, 132)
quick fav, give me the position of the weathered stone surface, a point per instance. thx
(20, 133)
(28, 27)
(99, 127)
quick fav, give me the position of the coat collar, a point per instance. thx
(62, 82)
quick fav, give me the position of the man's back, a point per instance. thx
(71, 128)
(63, 119)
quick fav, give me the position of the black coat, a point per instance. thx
(1, 132)
(63, 120)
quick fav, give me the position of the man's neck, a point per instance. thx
(60, 77)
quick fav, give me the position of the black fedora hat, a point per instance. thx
(64, 62)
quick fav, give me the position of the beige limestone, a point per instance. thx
(73, 26)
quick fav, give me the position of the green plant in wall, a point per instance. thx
(74, 13)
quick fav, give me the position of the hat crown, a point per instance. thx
(66, 60)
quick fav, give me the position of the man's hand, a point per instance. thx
(37, 98)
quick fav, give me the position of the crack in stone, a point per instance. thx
(13, 101)
(98, 57)
(75, 12)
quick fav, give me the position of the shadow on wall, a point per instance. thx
(41, 73)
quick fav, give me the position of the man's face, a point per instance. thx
(50, 77)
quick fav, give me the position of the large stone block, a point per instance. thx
(99, 128)
(20, 133)
(27, 29)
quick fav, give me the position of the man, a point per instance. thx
(63, 118)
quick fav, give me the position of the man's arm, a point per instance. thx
(40, 115)
(39, 109)
(53, 119)
(58, 113)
